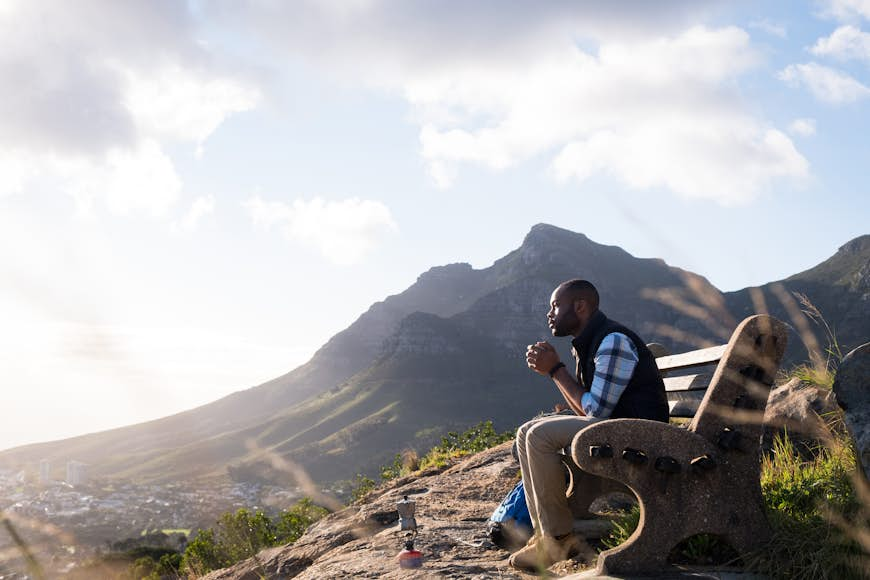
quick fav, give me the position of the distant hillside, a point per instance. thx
(444, 354)
(839, 287)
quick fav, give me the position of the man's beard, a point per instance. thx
(564, 327)
(559, 330)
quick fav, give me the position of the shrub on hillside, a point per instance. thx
(476, 439)
(147, 568)
(360, 485)
(240, 535)
(453, 445)
(292, 523)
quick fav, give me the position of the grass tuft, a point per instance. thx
(624, 526)
(454, 445)
(812, 507)
(798, 488)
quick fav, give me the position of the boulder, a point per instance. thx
(799, 410)
(852, 387)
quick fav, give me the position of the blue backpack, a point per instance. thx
(510, 525)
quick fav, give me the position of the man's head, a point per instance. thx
(571, 306)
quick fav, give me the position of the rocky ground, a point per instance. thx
(363, 541)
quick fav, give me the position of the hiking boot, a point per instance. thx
(509, 534)
(542, 552)
(523, 553)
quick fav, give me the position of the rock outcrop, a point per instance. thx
(852, 387)
(363, 541)
(801, 412)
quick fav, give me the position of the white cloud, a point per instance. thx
(657, 113)
(845, 43)
(16, 170)
(678, 156)
(489, 87)
(201, 207)
(825, 84)
(129, 181)
(499, 87)
(848, 9)
(396, 38)
(803, 127)
(183, 104)
(771, 28)
(94, 108)
(344, 231)
(123, 181)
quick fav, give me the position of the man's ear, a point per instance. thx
(579, 306)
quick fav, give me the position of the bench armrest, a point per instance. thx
(651, 445)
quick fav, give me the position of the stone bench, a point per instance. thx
(695, 479)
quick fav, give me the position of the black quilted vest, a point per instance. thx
(644, 397)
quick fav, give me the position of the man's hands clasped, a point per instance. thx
(541, 357)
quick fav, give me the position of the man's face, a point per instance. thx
(562, 318)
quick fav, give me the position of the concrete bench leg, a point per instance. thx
(585, 488)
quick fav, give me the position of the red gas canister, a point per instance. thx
(409, 557)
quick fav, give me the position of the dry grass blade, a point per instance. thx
(802, 326)
(298, 474)
(749, 417)
(667, 331)
(32, 564)
(813, 313)
(711, 298)
(759, 302)
(40, 527)
(674, 299)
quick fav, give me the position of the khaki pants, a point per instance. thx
(538, 444)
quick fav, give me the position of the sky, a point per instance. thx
(194, 196)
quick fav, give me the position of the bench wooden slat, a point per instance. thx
(705, 356)
(684, 403)
(697, 382)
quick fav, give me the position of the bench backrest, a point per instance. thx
(753, 354)
(687, 376)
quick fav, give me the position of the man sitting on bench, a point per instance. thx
(617, 377)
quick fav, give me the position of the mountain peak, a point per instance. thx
(849, 267)
(546, 234)
(857, 246)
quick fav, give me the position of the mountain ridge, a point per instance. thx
(444, 353)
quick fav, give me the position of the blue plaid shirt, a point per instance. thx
(615, 361)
